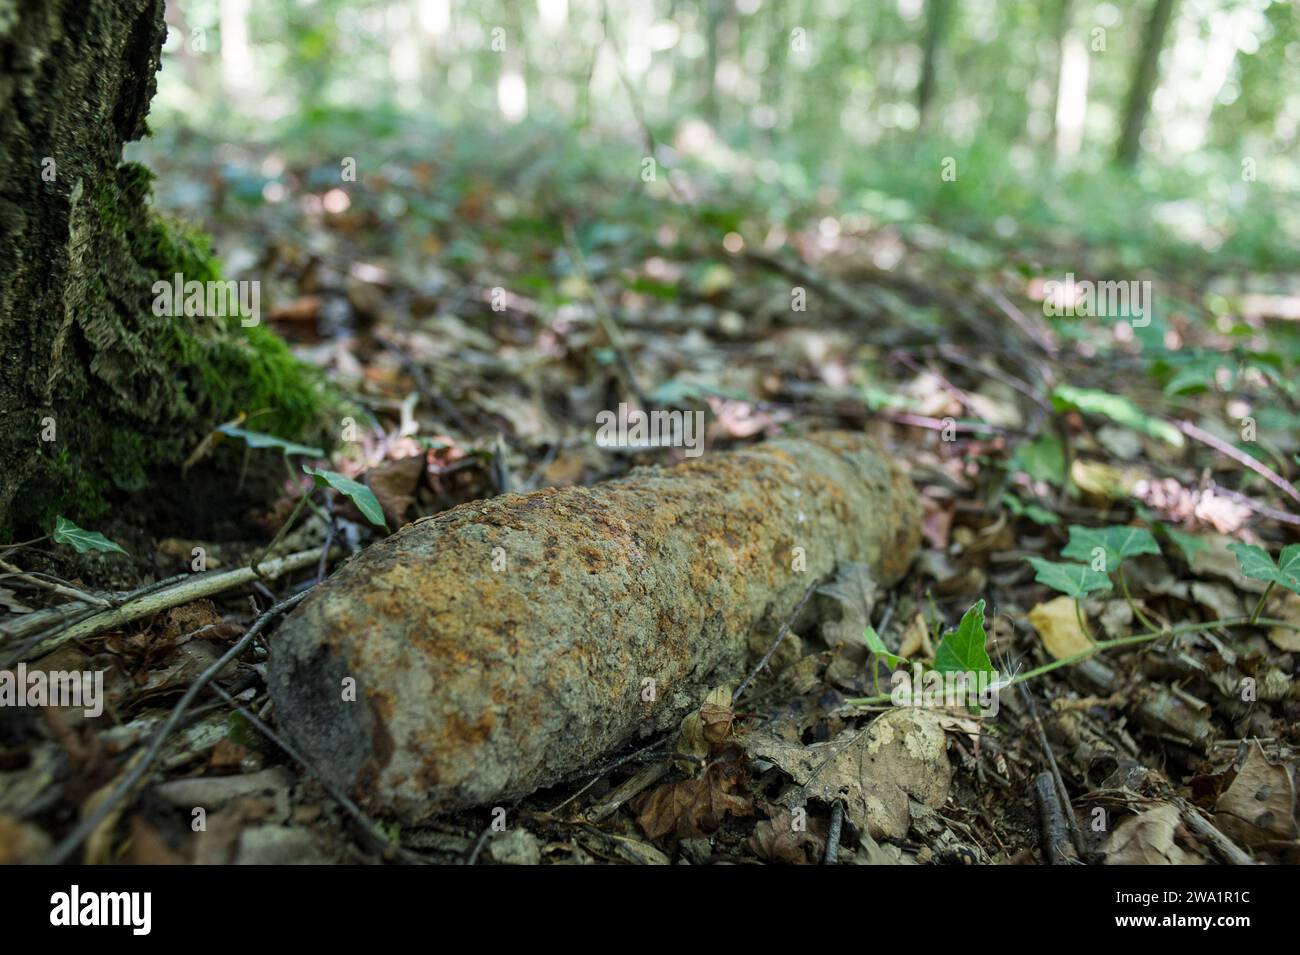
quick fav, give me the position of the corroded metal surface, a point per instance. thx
(502, 645)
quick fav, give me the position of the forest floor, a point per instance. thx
(477, 319)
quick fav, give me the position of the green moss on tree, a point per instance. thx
(138, 391)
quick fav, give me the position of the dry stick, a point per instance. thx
(805, 275)
(1056, 840)
(785, 628)
(1062, 794)
(604, 315)
(1204, 828)
(608, 767)
(73, 613)
(83, 829)
(1218, 444)
(63, 590)
(833, 837)
(339, 796)
(1039, 333)
(1273, 513)
(646, 777)
(192, 588)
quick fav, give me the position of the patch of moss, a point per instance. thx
(138, 391)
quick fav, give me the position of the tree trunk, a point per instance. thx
(1144, 82)
(95, 388)
(936, 23)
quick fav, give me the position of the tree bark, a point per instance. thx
(95, 389)
(1145, 74)
(936, 24)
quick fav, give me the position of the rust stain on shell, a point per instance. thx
(475, 684)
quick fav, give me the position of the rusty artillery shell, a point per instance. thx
(500, 647)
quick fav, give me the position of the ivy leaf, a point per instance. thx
(1288, 563)
(1043, 459)
(66, 532)
(962, 650)
(1258, 565)
(1117, 408)
(1073, 580)
(1117, 542)
(1035, 513)
(256, 439)
(877, 646)
(1189, 544)
(358, 493)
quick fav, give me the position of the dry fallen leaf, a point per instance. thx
(1285, 606)
(1259, 806)
(916, 639)
(702, 730)
(394, 483)
(902, 754)
(1148, 839)
(696, 807)
(21, 843)
(1057, 623)
(779, 840)
(854, 589)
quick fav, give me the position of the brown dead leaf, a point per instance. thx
(394, 484)
(689, 808)
(1285, 605)
(304, 309)
(1218, 598)
(1057, 624)
(566, 468)
(903, 754)
(779, 840)
(916, 639)
(1148, 839)
(21, 843)
(854, 589)
(147, 846)
(703, 730)
(1259, 806)
(228, 756)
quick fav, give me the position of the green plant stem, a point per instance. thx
(1259, 607)
(1083, 624)
(1138, 614)
(1127, 641)
(284, 529)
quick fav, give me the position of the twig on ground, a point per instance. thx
(785, 628)
(614, 764)
(1039, 333)
(1056, 837)
(131, 779)
(805, 275)
(833, 837)
(1263, 510)
(352, 809)
(1241, 457)
(62, 589)
(1230, 851)
(605, 316)
(643, 779)
(190, 588)
(1063, 794)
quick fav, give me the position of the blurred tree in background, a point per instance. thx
(1066, 113)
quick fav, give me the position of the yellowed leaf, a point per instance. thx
(1058, 625)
